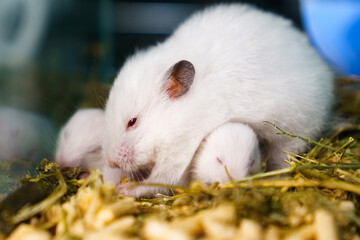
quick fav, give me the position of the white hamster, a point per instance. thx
(233, 145)
(79, 143)
(228, 63)
(24, 135)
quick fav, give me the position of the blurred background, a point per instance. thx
(57, 56)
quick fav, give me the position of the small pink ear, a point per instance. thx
(179, 79)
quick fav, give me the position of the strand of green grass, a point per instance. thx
(228, 174)
(316, 150)
(302, 157)
(330, 183)
(324, 166)
(343, 147)
(349, 175)
(268, 174)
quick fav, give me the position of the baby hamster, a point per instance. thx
(24, 135)
(233, 145)
(79, 143)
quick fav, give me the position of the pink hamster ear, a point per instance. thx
(179, 79)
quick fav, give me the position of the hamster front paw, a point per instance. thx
(130, 190)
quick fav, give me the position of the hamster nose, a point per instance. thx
(64, 164)
(113, 164)
(124, 155)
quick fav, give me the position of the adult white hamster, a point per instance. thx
(227, 63)
(79, 143)
(233, 145)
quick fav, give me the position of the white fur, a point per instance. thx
(79, 143)
(24, 135)
(233, 145)
(80, 139)
(111, 174)
(250, 66)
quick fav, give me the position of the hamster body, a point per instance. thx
(24, 135)
(233, 145)
(228, 63)
(79, 143)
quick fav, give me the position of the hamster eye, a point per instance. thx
(94, 150)
(131, 122)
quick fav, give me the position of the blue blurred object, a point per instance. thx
(334, 28)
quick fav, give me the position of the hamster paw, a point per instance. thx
(137, 191)
(128, 190)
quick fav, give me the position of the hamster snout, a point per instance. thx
(80, 141)
(64, 163)
(124, 158)
(126, 154)
(126, 162)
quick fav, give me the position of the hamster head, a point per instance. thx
(233, 145)
(79, 141)
(142, 115)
